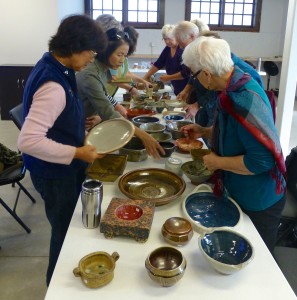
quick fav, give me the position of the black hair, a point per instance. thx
(133, 37)
(116, 38)
(77, 33)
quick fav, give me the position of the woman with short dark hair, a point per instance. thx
(52, 137)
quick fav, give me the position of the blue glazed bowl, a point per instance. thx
(207, 212)
(226, 251)
(173, 118)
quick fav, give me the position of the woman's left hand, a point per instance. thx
(121, 109)
(211, 161)
(90, 122)
(164, 78)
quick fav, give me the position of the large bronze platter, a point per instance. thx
(156, 185)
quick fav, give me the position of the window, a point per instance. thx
(137, 13)
(232, 15)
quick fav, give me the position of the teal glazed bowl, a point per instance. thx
(226, 251)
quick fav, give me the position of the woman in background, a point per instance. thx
(52, 137)
(171, 60)
(92, 83)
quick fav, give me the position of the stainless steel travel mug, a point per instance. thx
(91, 198)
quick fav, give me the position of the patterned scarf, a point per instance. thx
(254, 114)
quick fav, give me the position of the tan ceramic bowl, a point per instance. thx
(166, 266)
(96, 269)
(177, 231)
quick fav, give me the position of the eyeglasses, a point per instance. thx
(196, 74)
(93, 53)
(113, 34)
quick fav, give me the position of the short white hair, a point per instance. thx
(200, 24)
(167, 31)
(210, 54)
(183, 30)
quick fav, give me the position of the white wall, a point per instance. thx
(26, 27)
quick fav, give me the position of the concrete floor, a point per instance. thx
(23, 256)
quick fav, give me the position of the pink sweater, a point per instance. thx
(48, 103)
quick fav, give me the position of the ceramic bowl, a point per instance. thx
(162, 136)
(166, 266)
(172, 113)
(135, 112)
(96, 269)
(173, 117)
(129, 212)
(134, 150)
(168, 147)
(152, 184)
(137, 121)
(173, 103)
(207, 211)
(197, 154)
(226, 251)
(174, 128)
(196, 171)
(152, 127)
(186, 145)
(107, 168)
(177, 231)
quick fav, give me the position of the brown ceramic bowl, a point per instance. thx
(135, 112)
(197, 154)
(177, 231)
(186, 145)
(196, 171)
(152, 184)
(175, 126)
(166, 266)
(168, 147)
(162, 136)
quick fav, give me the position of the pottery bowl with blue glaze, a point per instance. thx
(137, 121)
(207, 211)
(173, 117)
(226, 251)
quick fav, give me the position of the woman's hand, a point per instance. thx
(164, 78)
(90, 122)
(87, 153)
(193, 131)
(121, 109)
(191, 110)
(211, 161)
(151, 145)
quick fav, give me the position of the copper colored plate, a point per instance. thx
(156, 185)
(186, 145)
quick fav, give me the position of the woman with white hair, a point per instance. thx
(202, 26)
(170, 59)
(246, 153)
(185, 32)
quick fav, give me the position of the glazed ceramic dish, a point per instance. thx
(166, 266)
(196, 171)
(197, 154)
(135, 150)
(207, 212)
(144, 119)
(162, 136)
(107, 168)
(175, 103)
(96, 269)
(226, 251)
(135, 112)
(186, 145)
(111, 135)
(175, 126)
(156, 185)
(177, 231)
(152, 127)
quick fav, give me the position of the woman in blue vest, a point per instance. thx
(52, 137)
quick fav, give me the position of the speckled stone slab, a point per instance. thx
(127, 217)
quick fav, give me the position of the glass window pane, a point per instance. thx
(132, 4)
(229, 8)
(118, 15)
(132, 16)
(142, 5)
(195, 7)
(228, 20)
(109, 12)
(142, 17)
(96, 14)
(215, 8)
(238, 9)
(152, 17)
(195, 16)
(205, 7)
(153, 5)
(248, 9)
(247, 20)
(117, 4)
(107, 4)
(214, 19)
(237, 20)
(249, 1)
(97, 4)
